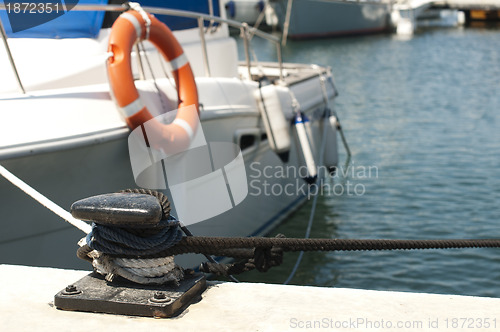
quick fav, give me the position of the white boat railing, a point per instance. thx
(11, 59)
(245, 32)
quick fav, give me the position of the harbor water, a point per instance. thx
(423, 115)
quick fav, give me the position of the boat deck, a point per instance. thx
(27, 304)
(293, 73)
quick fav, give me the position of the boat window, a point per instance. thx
(247, 141)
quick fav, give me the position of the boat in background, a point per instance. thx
(304, 19)
(441, 18)
(65, 137)
(253, 12)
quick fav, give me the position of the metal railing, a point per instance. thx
(246, 32)
(11, 59)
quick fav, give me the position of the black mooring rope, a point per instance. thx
(221, 245)
(163, 199)
(263, 253)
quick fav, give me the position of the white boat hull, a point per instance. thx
(66, 172)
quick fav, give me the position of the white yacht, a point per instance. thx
(65, 136)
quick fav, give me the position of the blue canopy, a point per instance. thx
(182, 23)
(59, 23)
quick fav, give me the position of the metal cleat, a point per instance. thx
(119, 210)
(137, 285)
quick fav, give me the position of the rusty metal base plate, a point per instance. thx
(94, 294)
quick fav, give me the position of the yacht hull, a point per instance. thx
(327, 18)
(33, 235)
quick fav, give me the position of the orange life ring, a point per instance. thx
(133, 26)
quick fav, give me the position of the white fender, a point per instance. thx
(331, 156)
(275, 123)
(305, 148)
(310, 135)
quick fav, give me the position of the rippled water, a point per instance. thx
(426, 113)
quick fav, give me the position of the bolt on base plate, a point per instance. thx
(94, 294)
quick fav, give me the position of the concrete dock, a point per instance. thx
(27, 294)
(468, 4)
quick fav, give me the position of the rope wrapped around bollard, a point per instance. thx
(135, 237)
